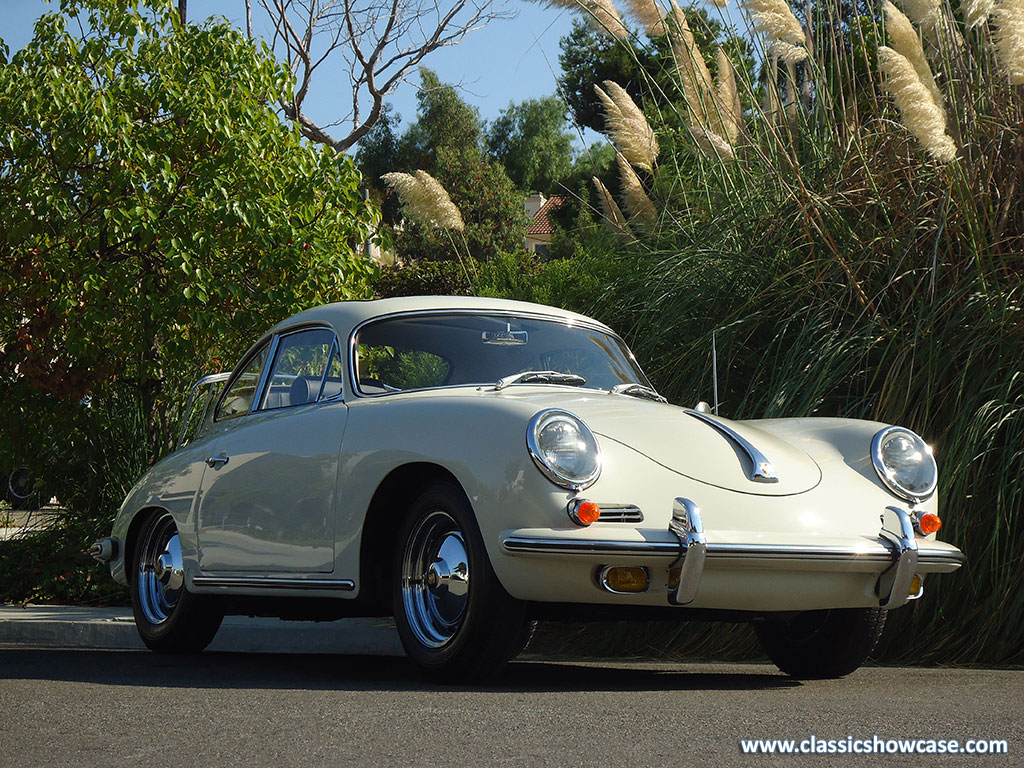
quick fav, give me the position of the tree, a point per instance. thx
(380, 43)
(491, 207)
(155, 215)
(530, 139)
(647, 72)
(446, 142)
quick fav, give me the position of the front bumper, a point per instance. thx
(893, 558)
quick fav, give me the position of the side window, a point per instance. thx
(299, 365)
(238, 399)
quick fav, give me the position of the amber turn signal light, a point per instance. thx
(929, 523)
(584, 512)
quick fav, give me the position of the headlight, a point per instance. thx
(905, 463)
(564, 448)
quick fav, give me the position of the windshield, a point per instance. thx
(448, 350)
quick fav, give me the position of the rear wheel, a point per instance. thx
(170, 619)
(818, 645)
(454, 618)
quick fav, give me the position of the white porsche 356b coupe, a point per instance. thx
(469, 465)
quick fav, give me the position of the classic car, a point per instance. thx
(471, 465)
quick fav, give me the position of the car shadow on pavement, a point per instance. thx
(325, 671)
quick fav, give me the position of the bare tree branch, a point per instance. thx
(376, 44)
(248, 19)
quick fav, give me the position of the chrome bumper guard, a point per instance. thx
(688, 528)
(897, 553)
(894, 583)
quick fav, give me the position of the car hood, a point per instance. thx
(684, 443)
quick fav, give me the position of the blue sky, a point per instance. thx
(509, 60)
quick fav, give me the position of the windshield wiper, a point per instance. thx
(540, 377)
(637, 390)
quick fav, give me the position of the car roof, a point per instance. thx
(346, 315)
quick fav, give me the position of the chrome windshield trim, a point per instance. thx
(762, 470)
(274, 582)
(870, 552)
(353, 382)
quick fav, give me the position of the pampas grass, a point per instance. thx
(933, 19)
(712, 144)
(976, 12)
(906, 43)
(921, 115)
(627, 126)
(649, 15)
(775, 20)
(640, 207)
(729, 97)
(613, 217)
(1009, 38)
(424, 200)
(694, 77)
(602, 15)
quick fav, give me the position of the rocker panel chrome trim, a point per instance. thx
(274, 582)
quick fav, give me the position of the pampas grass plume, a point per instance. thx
(649, 15)
(1009, 38)
(612, 213)
(711, 143)
(728, 97)
(693, 74)
(775, 20)
(639, 204)
(425, 200)
(627, 126)
(600, 14)
(906, 43)
(976, 12)
(921, 115)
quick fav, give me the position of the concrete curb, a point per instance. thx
(114, 628)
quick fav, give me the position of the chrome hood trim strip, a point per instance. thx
(762, 470)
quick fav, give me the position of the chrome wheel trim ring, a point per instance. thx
(435, 579)
(160, 575)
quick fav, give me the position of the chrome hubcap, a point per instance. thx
(161, 574)
(435, 579)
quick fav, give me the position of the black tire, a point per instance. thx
(169, 618)
(455, 620)
(819, 645)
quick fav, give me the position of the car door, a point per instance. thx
(267, 502)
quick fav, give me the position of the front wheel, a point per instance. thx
(819, 645)
(454, 618)
(169, 618)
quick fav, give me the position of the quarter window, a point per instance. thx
(299, 366)
(237, 400)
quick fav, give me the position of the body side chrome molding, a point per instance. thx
(762, 470)
(274, 582)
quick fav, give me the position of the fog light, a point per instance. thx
(624, 579)
(916, 587)
(929, 523)
(584, 512)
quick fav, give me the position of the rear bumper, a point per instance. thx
(894, 557)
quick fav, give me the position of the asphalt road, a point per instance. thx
(89, 707)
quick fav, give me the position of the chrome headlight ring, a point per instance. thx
(564, 449)
(904, 463)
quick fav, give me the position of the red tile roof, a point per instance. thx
(540, 224)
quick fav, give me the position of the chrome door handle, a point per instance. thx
(215, 461)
